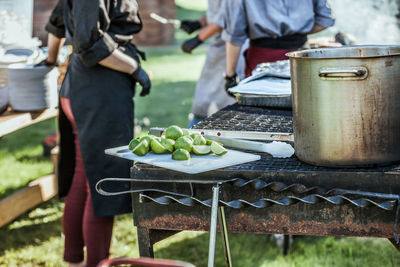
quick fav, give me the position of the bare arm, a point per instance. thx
(232, 57)
(120, 62)
(116, 60)
(209, 31)
(203, 21)
(316, 28)
(54, 44)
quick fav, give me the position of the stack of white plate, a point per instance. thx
(8, 57)
(3, 99)
(32, 88)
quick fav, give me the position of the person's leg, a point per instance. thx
(74, 203)
(97, 232)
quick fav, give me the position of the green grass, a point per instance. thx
(35, 238)
(21, 157)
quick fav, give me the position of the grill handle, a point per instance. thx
(124, 180)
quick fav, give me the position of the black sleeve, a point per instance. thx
(91, 40)
(56, 22)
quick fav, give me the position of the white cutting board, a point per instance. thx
(196, 164)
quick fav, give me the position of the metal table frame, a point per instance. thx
(281, 196)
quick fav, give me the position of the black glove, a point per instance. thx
(190, 26)
(143, 79)
(44, 62)
(191, 44)
(230, 81)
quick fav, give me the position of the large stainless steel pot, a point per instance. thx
(346, 105)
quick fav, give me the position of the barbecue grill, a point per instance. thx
(272, 195)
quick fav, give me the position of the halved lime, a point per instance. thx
(199, 140)
(209, 142)
(142, 148)
(148, 138)
(217, 149)
(168, 144)
(184, 142)
(157, 147)
(201, 149)
(181, 154)
(173, 132)
(133, 143)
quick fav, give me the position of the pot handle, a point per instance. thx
(343, 73)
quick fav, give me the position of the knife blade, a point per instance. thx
(164, 20)
(246, 135)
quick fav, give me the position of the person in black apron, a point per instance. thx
(96, 113)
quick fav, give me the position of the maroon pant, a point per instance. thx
(256, 55)
(81, 228)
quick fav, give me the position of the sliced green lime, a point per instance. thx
(199, 140)
(168, 144)
(142, 148)
(184, 142)
(217, 149)
(157, 147)
(133, 143)
(148, 138)
(181, 154)
(201, 149)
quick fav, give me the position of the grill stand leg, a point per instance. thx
(148, 237)
(224, 232)
(145, 244)
(213, 226)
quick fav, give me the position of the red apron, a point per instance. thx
(256, 55)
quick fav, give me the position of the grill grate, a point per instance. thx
(247, 118)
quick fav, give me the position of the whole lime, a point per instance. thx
(181, 154)
(184, 142)
(173, 132)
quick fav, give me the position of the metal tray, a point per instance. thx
(270, 101)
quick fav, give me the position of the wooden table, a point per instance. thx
(11, 121)
(38, 191)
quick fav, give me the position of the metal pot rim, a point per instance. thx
(361, 51)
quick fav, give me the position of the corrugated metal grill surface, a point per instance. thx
(246, 118)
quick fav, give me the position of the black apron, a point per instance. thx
(102, 104)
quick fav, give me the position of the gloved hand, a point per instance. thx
(44, 62)
(143, 79)
(191, 44)
(190, 26)
(230, 81)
